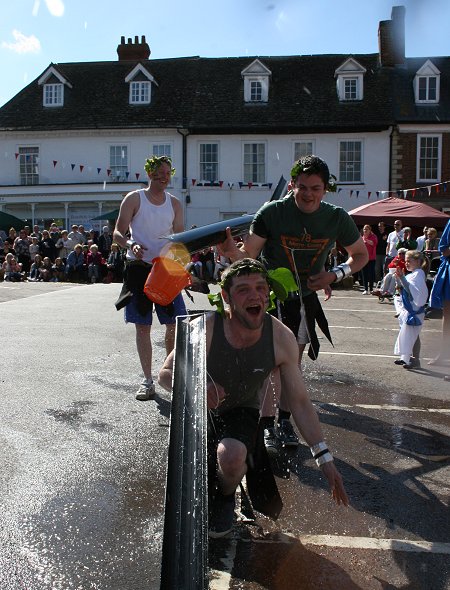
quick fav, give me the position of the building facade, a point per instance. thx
(74, 141)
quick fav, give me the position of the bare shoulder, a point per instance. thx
(285, 343)
(176, 203)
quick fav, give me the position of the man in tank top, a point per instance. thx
(148, 215)
(243, 345)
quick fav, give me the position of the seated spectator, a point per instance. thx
(54, 232)
(58, 271)
(46, 272)
(220, 264)
(95, 262)
(7, 249)
(47, 247)
(35, 270)
(36, 232)
(92, 237)
(195, 267)
(115, 264)
(12, 269)
(388, 284)
(207, 259)
(76, 235)
(76, 269)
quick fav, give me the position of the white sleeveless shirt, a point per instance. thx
(149, 224)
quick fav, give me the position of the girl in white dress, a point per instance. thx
(411, 305)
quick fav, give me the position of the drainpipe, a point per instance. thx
(390, 157)
(184, 191)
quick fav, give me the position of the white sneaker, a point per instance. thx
(145, 392)
(365, 293)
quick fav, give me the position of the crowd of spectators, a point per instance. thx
(59, 255)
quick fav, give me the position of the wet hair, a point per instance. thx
(310, 165)
(246, 266)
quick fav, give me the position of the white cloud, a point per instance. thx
(281, 20)
(23, 44)
(55, 7)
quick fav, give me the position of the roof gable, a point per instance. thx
(52, 72)
(350, 66)
(256, 68)
(139, 69)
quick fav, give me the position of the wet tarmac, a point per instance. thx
(83, 465)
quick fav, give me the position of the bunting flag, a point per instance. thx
(438, 188)
(241, 184)
(99, 170)
(221, 183)
(413, 192)
(17, 155)
(357, 194)
(230, 185)
(137, 175)
(368, 194)
(108, 171)
(429, 190)
(404, 194)
(81, 167)
(72, 166)
(270, 185)
(127, 174)
(249, 184)
(194, 180)
(351, 193)
(54, 163)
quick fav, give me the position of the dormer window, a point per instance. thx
(140, 93)
(349, 80)
(427, 84)
(256, 82)
(53, 83)
(140, 81)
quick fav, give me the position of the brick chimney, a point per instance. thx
(391, 38)
(133, 51)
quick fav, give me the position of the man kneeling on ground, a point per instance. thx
(243, 345)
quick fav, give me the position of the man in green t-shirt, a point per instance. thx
(297, 232)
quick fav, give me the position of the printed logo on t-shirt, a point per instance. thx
(305, 249)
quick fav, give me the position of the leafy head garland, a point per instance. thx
(152, 164)
(314, 165)
(280, 281)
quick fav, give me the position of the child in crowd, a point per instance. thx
(411, 307)
(115, 264)
(12, 270)
(46, 272)
(387, 288)
(35, 270)
(58, 271)
(34, 247)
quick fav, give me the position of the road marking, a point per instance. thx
(381, 329)
(406, 545)
(386, 407)
(389, 311)
(381, 356)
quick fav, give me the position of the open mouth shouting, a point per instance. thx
(254, 310)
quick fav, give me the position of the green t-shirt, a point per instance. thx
(301, 239)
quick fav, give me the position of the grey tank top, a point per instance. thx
(240, 371)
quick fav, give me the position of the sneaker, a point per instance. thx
(270, 441)
(146, 391)
(413, 364)
(222, 516)
(365, 293)
(399, 362)
(286, 434)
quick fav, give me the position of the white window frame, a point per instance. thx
(203, 162)
(438, 159)
(118, 171)
(162, 148)
(257, 178)
(53, 95)
(427, 72)
(341, 87)
(140, 92)
(354, 180)
(301, 148)
(28, 165)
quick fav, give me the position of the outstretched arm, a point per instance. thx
(303, 411)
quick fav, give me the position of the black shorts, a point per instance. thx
(289, 313)
(238, 423)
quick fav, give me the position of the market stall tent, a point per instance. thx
(411, 213)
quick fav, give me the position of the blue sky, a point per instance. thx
(34, 33)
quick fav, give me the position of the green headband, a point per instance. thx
(152, 164)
